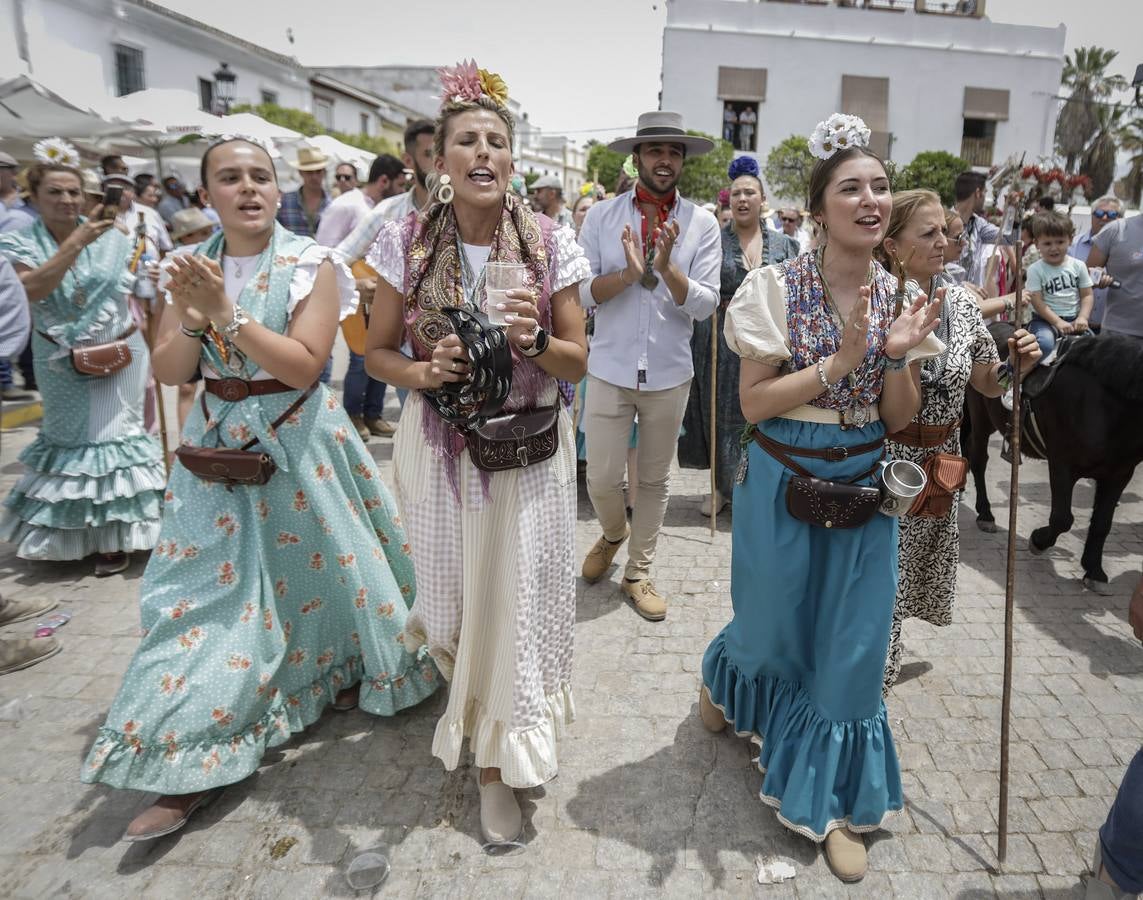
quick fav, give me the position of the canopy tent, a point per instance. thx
(30, 111)
(169, 117)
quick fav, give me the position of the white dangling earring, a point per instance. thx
(444, 189)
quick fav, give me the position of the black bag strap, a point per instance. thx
(776, 450)
(290, 410)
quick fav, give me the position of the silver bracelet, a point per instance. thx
(230, 329)
(822, 374)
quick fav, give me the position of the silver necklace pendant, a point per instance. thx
(649, 280)
(79, 296)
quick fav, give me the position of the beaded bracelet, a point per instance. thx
(822, 375)
(894, 365)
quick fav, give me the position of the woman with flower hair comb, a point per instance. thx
(493, 550)
(826, 370)
(747, 244)
(95, 477)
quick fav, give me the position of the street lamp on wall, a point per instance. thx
(224, 81)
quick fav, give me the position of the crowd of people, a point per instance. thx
(284, 577)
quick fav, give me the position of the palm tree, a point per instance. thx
(1131, 141)
(1086, 76)
(1098, 160)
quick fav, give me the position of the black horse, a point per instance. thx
(1088, 424)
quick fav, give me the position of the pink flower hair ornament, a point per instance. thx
(465, 82)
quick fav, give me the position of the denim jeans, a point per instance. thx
(1045, 334)
(326, 372)
(6, 373)
(363, 395)
(1121, 836)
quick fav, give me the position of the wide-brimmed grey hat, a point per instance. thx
(661, 127)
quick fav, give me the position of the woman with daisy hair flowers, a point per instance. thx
(493, 551)
(94, 478)
(747, 244)
(826, 369)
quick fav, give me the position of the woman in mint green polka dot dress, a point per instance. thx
(94, 476)
(261, 604)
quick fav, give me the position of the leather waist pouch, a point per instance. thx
(233, 466)
(226, 465)
(515, 441)
(816, 501)
(946, 474)
(101, 360)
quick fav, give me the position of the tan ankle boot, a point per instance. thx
(712, 718)
(845, 853)
(600, 556)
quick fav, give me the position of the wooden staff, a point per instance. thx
(141, 233)
(1010, 580)
(713, 419)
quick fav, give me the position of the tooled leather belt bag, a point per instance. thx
(100, 360)
(515, 441)
(818, 501)
(946, 473)
(238, 466)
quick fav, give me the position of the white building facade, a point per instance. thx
(117, 47)
(924, 77)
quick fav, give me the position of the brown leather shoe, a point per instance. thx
(599, 557)
(649, 603)
(13, 611)
(712, 718)
(19, 653)
(380, 427)
(845, 853)
(362, 429)
(166, 816)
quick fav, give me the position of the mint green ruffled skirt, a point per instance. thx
(94, 477)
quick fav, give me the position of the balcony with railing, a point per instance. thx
(976, 151)
(964, 8)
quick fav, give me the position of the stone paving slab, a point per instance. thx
(647, 803)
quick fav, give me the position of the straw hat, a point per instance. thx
(662, 128)
(91, 183)
(188, 221)
(310, 159)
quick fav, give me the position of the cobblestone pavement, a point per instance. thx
(646, 803)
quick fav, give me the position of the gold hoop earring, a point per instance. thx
(444, 190)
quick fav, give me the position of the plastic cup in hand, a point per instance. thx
(499, 279)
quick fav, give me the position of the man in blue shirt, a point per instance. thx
(1104, 211)
(655, 260)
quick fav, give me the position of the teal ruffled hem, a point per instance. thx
(101, 489)
(91, 460)
(125, 760)
(819, 774)
(69, 515)
(35, 542)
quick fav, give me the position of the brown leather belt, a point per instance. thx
(924, 437)
(234, 389)
(126, 334)
(830, 454)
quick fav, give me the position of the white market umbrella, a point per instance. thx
(169, 117)
(30, 111)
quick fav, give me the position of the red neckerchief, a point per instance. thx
(663, 210)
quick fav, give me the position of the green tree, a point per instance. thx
(1085, 76)
(933, 170)
(1131, 142)
(787, 169)
(1098, 160)
(304, 122)
(704, 176)
(603, 165)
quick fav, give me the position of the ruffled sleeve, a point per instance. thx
(302, 283)
(756, 322)
(569, 263)
(387, 255)
(20, 249)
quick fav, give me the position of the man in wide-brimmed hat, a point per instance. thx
(301, 209)
(655, 261)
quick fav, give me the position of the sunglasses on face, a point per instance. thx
(790, 221)
(343, 177)
(958, 239)
(1105, 214)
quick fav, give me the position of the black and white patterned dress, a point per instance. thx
(930, 548)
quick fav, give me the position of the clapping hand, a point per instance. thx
(855, 334)
(914, 324)
(664, 244)
(196, 284)
(633, 251)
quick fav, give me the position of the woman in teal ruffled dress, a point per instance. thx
(825, 365)
(261, 604)
(94, 477)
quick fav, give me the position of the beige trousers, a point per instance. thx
(608, 417)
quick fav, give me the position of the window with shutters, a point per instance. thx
(128, 70)
(868, 97)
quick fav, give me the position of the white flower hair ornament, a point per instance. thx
(838, 132)
(55, 151)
